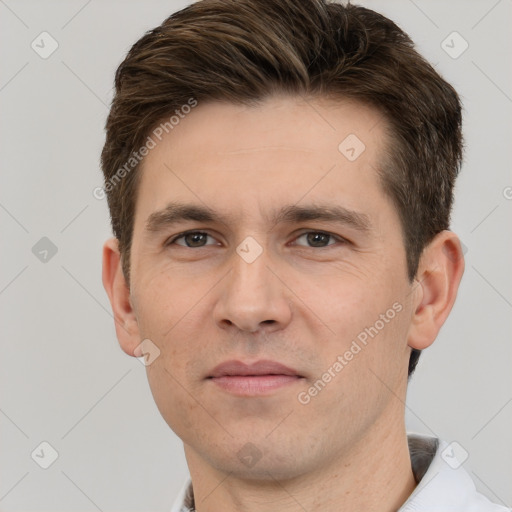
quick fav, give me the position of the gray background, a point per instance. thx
(64, 378)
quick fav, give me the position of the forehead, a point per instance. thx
(248, 157)
(280, 122)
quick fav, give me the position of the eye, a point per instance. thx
(191, 239)
(197, 239)
(318, 239)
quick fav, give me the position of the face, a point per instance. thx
(290, 254)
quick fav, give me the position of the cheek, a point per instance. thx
(168, 317)
(170, 398)
(351, 306)
(362, 373)
(370, 320)
(171, 384)
(164, 303)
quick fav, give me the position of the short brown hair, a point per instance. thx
(242, 51)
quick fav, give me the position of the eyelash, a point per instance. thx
(185, 233)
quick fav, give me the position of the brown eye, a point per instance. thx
(317, 239)
(192, 239)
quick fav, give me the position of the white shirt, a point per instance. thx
(443, 484)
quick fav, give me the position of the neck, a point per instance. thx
(374, 474)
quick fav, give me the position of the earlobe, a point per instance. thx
(114, 282)
(439, 273)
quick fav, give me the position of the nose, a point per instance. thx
(253, 297)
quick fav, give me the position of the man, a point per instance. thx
(279, 177)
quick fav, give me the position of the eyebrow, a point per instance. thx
(176, 212)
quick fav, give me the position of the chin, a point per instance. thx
(259, 461)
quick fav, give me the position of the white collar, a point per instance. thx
(446, 486)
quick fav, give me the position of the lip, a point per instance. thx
(259, 378)
(263, 367)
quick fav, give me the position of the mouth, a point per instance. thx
(259, 378)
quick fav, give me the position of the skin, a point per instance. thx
(299, 304)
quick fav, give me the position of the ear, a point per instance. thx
(437, 280)
(127, 329)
